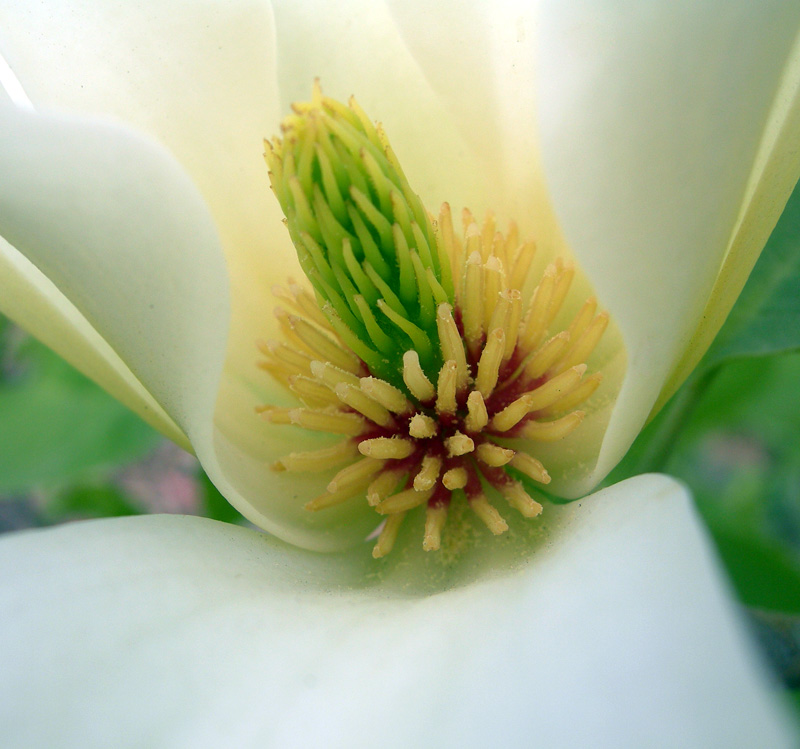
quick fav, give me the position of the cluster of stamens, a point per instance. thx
(506, 382)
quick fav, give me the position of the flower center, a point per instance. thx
(417, 347)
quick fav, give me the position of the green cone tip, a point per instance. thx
(363, 237)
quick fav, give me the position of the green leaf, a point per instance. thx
(764, 575)
(56, 425)
(766, 318)
(216, 506)
(90, 502)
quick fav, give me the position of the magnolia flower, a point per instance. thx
(654, 145)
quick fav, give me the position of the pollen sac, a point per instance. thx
(430, 353)
(363, 237)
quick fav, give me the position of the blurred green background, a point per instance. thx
(732, 433)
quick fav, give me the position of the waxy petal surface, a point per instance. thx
(614, 630)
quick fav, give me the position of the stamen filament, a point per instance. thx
(547, 355)
(312, 392)
(416, 381)
(451, 344)
(387, 395)
(405, 500)
(357, 475)
(388, 535)
(383, 485)
(551, 431)
(585, 345)
(455, 478)
(530, 467)
(358, 400)
(537, 400)
(489, 364)
(323, 346)
(477, 415)
(537, 320)
(435, 518)
(488, 514)
(331, 375)
(493, 455)
(574, 397)
(318, 460)
(446, 389)
(421, 426)
(428, 473)
(520, 500)
(459, 444)
(335, 422)
(389, 448)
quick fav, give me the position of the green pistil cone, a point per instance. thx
(363, 237)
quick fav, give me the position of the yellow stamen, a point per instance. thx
(547, 355)
(388, 448)
(356, 476)
(416, 381)
(383, 485)
(472, 309)
(451, 343)
(537, 318)
(335, 422)
(477, 416)
(387, 395)
(407, 499)
(493, 455)
(520, 500)
(421, 426)
(583, 347)
(359, 401)
(536, 400)
(287, 355)
(446, 389)
(581, 321)
(312, 392)
(489, 364)
(490, 516)
(564, 281)
(318, 460)
(332, 376)
(513, 322)
(459, 444)
(530, 467)
(521, 264)
(331, 499)
(435, 518)
(574, 397)
(455, 478)
(323, 346)
(552, 431)
(388, 535)
(428, 473)
(494, 280)
(275, 414)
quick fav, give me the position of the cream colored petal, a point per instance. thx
(651, 118)
(772, 179)
(616, 630)
(108, 219)
(198, 77)
(118, 228)
(32, 301)
(364, 52)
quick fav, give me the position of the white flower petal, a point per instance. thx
(651, 119)
(32, 301)
(135, 251)
(615, 631)
(446, 154)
